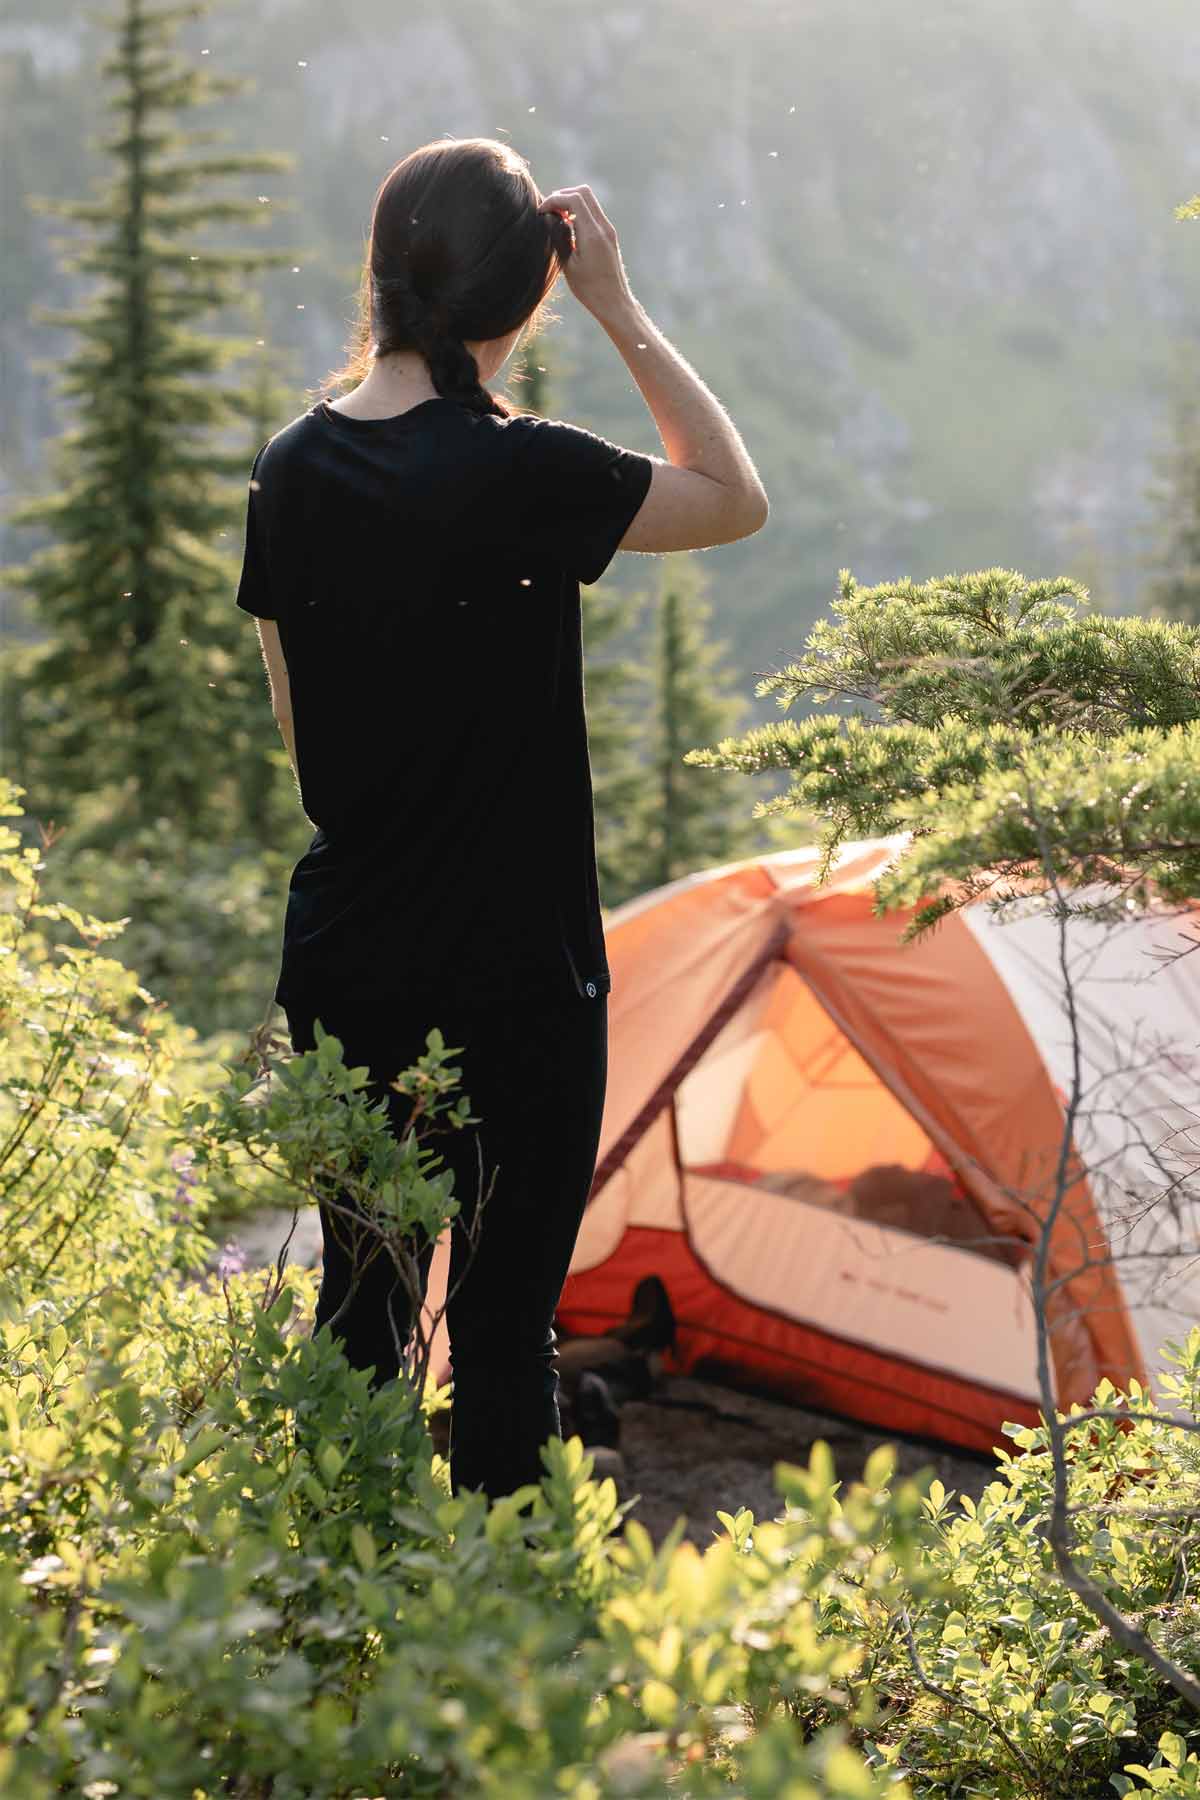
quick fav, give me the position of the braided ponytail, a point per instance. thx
(455, 373)
(427, 327)
(458, 253)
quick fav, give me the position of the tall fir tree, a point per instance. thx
(622, 779)
(693, 818)
(1172, 587)
(144, 687)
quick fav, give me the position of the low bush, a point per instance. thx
(279, 1596)
(229, 1566)
(989, 1680)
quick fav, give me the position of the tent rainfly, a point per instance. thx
(839, 1151)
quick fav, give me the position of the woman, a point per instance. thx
(414, 551)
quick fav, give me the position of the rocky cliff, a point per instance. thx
(925, 254)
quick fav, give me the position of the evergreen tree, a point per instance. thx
(1020, 739)
(692, 819)
(268, 397)
(539, 366)
(1172, 589)
(532, 376)
(655, 818)
(145, 687)
(622, 779)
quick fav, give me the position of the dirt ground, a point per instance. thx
(701, 1445)
(695, 1446)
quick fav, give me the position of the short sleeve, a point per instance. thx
(254, 594)
(572, 495)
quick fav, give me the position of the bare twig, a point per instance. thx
(957, 1701)
(1059, 1533)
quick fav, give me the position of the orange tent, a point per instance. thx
(838, 1150)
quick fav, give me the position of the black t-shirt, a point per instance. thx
(424, 572)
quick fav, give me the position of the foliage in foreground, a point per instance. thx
(1004, 727)
(274, 1593)
(265, 1587)
(990, 1681)
(228, 1566)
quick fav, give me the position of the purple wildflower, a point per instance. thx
(181, 1162)
(232, 1261)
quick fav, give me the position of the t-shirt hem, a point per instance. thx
(379, 991)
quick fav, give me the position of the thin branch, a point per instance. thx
(961, 1705)
(1123, 1630)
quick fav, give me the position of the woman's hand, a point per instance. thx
(594, 271)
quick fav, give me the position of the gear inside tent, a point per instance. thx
(838, 1150)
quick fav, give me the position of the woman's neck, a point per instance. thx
(390, 387)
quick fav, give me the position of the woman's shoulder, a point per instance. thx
(541, 439)
(290, 439)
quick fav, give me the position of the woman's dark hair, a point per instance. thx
(457, 252)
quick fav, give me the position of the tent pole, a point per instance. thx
(664, 1093)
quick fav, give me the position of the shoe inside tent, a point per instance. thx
(838, 1150)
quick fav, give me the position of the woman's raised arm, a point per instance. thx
(708, 491)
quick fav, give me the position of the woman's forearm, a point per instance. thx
(696, 430)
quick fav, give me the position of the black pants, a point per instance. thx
(535, 1071)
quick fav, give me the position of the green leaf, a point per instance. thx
(330, 1461)
(660, 1702)
(847, 1776)
(880, 1466)
(1172, 1749)
(363, 1545)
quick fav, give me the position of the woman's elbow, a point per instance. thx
(749, 518)
(761, 514)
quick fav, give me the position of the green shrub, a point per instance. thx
(98, 1195)
(228, 1565)
(202, 914)
(213, 1608)
(1005, 1687)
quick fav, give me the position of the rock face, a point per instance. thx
(926, 256)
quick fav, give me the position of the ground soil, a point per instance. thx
(701, 1445)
